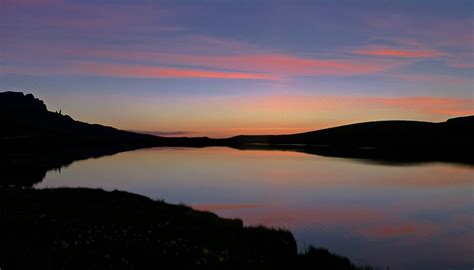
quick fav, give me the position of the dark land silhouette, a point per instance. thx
(95, 229)
(28, 125)
(384, 141)
(34, 140)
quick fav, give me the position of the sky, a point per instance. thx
(223, 68)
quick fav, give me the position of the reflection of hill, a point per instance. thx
(25, 169)
(27, 125)
(34, 140)
(385, 140)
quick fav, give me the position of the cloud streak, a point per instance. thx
(398, 52)
(284, 64)
(235, 65)
(142, 71)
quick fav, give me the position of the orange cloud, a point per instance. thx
(280, 64)
(285, 64)
(250, 66)
(393, 52)
(138, 71)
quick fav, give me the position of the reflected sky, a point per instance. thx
(403, 217)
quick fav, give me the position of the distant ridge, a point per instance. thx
(34, 140)
(456, 131)
(27, 125)
(388, 141)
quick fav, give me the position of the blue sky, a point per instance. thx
(221, 68)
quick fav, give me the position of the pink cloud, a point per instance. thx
(277, 64)
(141, 71)
(398, 52)
(238, 60)
(286, 64)
(132, 71)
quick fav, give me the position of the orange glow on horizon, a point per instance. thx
(225, 116)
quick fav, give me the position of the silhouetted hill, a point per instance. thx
(376, 134)
(94, 229)
(34, 140)
(26, 124)
(16, 102)
(450, 140)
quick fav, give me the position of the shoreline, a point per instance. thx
(74, 228)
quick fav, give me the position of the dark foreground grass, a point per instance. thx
(95, 229)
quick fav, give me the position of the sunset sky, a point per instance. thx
(221, 68)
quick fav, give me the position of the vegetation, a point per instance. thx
(95, 229)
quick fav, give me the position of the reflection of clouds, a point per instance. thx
(387, 215)
(294, 169)
(368, 223)
(388, 235)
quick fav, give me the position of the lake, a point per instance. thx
(402, 216)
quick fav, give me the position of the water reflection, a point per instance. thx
(404, 217)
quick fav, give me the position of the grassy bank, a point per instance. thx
(95, 229)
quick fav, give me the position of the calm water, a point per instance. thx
(403, 217)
